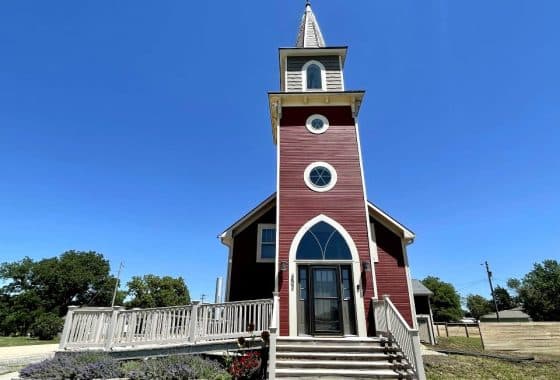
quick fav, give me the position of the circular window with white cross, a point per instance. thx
(320, 176)
(317, 124)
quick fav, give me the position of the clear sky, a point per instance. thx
(140, 129)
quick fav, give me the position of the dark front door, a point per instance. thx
(325, 303)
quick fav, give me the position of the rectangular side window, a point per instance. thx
(266, 243)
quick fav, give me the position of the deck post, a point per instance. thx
(193, 323)
(418, 355)
(273, 335)
(67, 327)
(112, 327)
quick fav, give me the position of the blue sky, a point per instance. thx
(141, 129)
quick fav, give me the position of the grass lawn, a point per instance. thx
(471, 367)
(8, 341)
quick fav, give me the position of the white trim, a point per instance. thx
(371, 237)
(373, 244)
(277, 259)
(230, 243)
(304, 76)
(311, 185)
(341, 72)
(356, 273)
(261, 227)
(309, 125)
(410, 290)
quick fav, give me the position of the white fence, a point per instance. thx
(107, 328)
(391, 322)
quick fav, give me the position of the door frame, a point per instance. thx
(355, 264)
(309, 308)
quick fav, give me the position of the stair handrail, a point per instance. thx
(406, 338)
(274, 331)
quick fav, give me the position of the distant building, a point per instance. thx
(424, 315)
(511, 315)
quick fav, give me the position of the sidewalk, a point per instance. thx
(20, 356)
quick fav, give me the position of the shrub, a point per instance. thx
(245, 366)
(46, 326)
(180, 367)
(74, 366)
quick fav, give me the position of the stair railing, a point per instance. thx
(390, 321)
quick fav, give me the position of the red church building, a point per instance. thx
(327, 254)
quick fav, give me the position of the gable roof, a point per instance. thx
(419, 289)
(374, 212)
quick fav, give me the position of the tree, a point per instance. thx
(478, 305)
(503, 299)
(155, 291)
(539, 289)
(51, 285)
(446, 302)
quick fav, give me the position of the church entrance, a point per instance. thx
(325, 300)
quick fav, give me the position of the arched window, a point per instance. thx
(323, 242)
(314, 81)
(313, 73)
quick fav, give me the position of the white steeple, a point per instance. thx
(309, 34)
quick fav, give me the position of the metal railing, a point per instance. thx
(392, 323)
(108, 328)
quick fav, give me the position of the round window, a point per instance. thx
(317, 124)
(320, 176)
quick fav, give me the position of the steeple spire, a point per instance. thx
(309, 34)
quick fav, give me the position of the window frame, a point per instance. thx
(261, 227)
(323, 76)
(311, 185)
(310, 128)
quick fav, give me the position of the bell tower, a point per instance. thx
(323, 231)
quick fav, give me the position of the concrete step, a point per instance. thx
(377, 356)
(314, 340)
(339, 347)
(337, 364)
(305, 373)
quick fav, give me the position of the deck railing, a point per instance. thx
(108, 328)
(391, 322)
(274, 327)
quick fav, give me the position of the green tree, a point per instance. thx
(478, 305)
(155, 291)
(32, 288)
(446, 302)
(539, 291)
(503, 298)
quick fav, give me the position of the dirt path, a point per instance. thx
(19, 356)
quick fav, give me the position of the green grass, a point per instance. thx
(458, 367)
(9, 341)
(460, 343)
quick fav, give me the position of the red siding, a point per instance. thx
(391, 270)
(298, 204)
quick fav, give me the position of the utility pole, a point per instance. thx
(117, 284)
(492, 290)
(202, 298)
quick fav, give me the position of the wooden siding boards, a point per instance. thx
(298, 204)
(251, 280)
(333, 73)
(390, 270)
